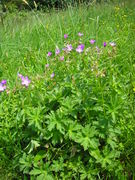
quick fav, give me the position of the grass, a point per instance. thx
(90, 89)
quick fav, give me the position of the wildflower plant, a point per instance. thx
(75, 117)
(49, 54)
(80, 48)
(2, 85)
(65, 36)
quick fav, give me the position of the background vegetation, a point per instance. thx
(79, 124)
(44, 4)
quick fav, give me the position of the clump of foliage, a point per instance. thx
(73, 116)
(13, 5)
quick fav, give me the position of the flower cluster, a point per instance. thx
(3, 85)
(80, 48)
(25, 81)
(57, 51)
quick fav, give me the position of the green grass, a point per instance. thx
(91, 93)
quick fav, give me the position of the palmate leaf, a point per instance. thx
(52, 125)
(44, 176)
(25, 163)
(57, 137)
(68, 103)
(89, 131)
(35, 172)
(87, 138)
(56, 121)
(40, 155)
(73, 129)
(87, 142)
(112, 143)
(97, 155)
(41, 177)
(86, 175)
(108, 157)
(69, 106)
(43, 173)
(40, 174)
(35, 117)
(57, 166)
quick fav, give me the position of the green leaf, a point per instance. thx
(85, 143)
(86, 138)
(41, 177)
(45, 176)
(96, 154)
(40, 155)
(111, 143)
(56, 121)
(35, 172)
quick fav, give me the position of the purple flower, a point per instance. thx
(104, 44)
(57, 51)
(69, 47)
(2, 87)
(92, 41)
(62, 58)
(65, 36)
(52, 75)
(47, 65)
(20, 75)
(64, 49)
(3, 82)
(25, 81)
(49, 54)
(80, 48)
(80, 34)
(113, 44)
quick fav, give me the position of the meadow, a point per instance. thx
(67, 93)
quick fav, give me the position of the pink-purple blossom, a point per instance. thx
(3, 82)
(49, 54)
(92, 41)
(80, 48)
(52, 75)
(25, 81)
(113, 44)
(20, 75)
(80, 34)
(69, 47)
(62, 58)
(2, 86)
(57, 51)
(64, 49)
(47, 65)
(65, 36)
(104, 44)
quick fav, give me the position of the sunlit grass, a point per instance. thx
(109, 77)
